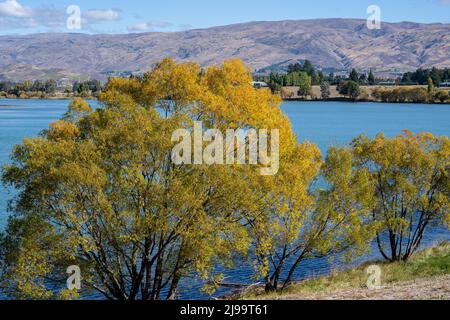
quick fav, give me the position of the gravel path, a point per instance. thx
(436, 288)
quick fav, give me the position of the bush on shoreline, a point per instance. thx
(415, 95)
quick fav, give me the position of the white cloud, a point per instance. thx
(44, 18)
(149, 26)
(49, 18)
(12, 8)
(102, 15)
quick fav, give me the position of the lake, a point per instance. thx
(323, 123)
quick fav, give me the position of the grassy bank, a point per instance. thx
(429, 263)
(376, 93)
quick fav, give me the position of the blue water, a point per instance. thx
(337, 123)
(20, 119)
(323, 123)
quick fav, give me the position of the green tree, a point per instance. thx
(275, 82)
(50, 86)
(420, 76)
(354, 76)
(304, 82)
(308, 67)
(435, 75)
(349, 89)
(362, 78)
(354, 90)
(331, 78)
(297, 67)
(371, 78)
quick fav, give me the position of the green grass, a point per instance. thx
(428, 263)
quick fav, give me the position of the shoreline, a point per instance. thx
(283, 100)
(360, 101)
(351, 283)
(48, 98)
(429, 288)
(411, 94)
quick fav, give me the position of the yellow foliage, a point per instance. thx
(117, 204)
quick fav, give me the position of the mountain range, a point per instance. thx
(329, 43)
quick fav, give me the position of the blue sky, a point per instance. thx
(115, 16)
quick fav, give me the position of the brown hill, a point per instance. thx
(338, 43)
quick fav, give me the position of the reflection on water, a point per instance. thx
(323, 123)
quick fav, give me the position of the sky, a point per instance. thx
(133, 16)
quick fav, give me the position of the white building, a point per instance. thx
(259, 84)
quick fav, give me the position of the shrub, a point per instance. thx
(418, 95)
(441, 96)
(350, 89)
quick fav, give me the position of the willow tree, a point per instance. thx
(302, 219)
(98, 189)
(410, 176)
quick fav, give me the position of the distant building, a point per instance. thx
(445, 84)
(64, 82)
(259, 84)
(341, 74)
(117, 74)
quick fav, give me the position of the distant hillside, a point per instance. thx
(336, 43)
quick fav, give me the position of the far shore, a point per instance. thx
(58, 97)
(291, 92)
(361, 100)
(366, 94)
(284, 100)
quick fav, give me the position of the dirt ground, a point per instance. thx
(436, 288)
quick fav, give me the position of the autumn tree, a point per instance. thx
(409, 176)
(26, 85)
(98, 189)
(312, 222)
(441, 95)
(279, 205)
(430, 90)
